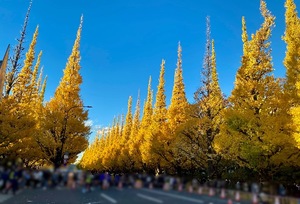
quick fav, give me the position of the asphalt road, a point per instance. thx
(109, 196)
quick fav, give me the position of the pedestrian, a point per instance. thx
(71, 181)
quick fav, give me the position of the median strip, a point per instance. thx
(149, 198)
(110, 199)
(174, 196)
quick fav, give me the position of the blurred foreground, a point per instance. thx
(15, 180)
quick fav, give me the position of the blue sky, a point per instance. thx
(123, 43)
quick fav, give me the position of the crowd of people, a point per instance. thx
(14, 178)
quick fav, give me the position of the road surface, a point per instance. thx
(109, 196)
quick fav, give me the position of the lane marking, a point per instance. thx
(149, 198)
(110, 199)
(174, 196)
(4, 197)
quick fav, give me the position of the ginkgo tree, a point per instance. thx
(25, 100)
(134, 143)
(14, 67)
(146, 121)
(124, 159)
(12, 130)
(199, 132)
(176, 116)
(156, 137)
(292, 65)
(254, 133)
(63, 128)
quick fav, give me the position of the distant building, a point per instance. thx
(3, 65)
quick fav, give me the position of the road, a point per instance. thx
(109, 196)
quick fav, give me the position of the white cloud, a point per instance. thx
(89, 123)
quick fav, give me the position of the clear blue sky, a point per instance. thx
(123, 43)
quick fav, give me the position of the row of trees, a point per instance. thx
(254, 132)
(35, 131)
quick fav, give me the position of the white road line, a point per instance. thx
(149, 198)
(4, 197)
(110, 199)
(174, 196)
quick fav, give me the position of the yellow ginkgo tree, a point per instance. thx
(254, 133)
(63, 127)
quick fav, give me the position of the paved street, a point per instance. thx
(112, 195)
